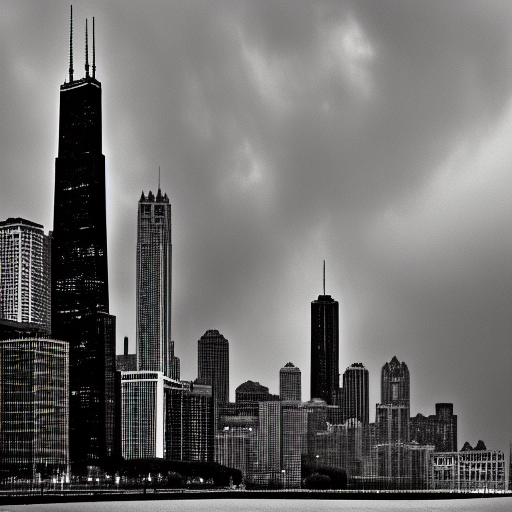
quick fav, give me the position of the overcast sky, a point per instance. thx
(372, 134)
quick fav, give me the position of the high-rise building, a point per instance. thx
(155, 350)
(355, 402)
(213, 364)
(395, 383)
(290, 382)
(80, 305)
(34, 407)
(25, 273)
(439, 430)
(325, 374)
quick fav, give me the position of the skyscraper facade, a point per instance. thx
(34, 408)
(154, 279)
(395, 383)
(356, 402)
(290, 382)
(213, 364)
(325, 375)
(25, 273)
(80, 305)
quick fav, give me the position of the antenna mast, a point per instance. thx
(86, 52)
(324, 277)
(93, 51)
(71, 46)
(159, 178)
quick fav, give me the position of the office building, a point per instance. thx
(126, 362)
(439, 430)
(155, 350)
(25, 274)
(395, 383)
(34, 409)
(213, 364)
(325, 375)
(355, 396)
(290, 383)
(253, 392)
(79, 275)
(294, 442)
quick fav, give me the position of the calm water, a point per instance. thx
(217, 505)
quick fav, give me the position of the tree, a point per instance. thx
(466, 448)
(317, 481)
(480, 445)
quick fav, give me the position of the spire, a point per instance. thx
(93, 51)
(71, 46)
(158, 178)
(324, 277)
(86, 52)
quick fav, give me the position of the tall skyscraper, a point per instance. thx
(356, 401)
(290, 382)
(213, 364)
(325, 374)
(395, 383)
(25, 273)
(155, 350)
(80, 306)
(34, 406)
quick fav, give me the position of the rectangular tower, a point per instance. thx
(80, 305)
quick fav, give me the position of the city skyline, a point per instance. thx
(419, 261)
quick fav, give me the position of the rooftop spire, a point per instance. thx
(324, 277)
(71, 46)
(86, 52)
(93, 51)
(159, 179)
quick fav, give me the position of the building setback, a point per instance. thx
(34, 408)
(25, 273)
(80, 303)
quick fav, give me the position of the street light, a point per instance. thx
(284, 477)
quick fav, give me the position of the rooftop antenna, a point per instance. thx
(159, 178)
(324, 277)
(86, 52)
(71, 47)
(93, 51)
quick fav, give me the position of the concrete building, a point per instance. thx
(34, 408)
(439, 430)
(213, 364)
(290, 383)
(25, 274)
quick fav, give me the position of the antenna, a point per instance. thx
(324, 277)
(71, 46)
(86, 52)
(159, 178)
(93, 51)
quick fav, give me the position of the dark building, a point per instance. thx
(439, 429)
(253, 392)
(290, 382)
(155, 350)
(325, 374)
(80, 305)
(395, 383)
(34, 404)
(126, 362)
(355, 401)
(213, 364)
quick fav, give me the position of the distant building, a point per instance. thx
(355, 401)
(294, 431)
(269, 442)
(325, 375)
(155, 350)
(253, 392)
(25, 274)
(213, 364)
(290, 383)
(126, 362)
(468, 470)
(439, 430)
(395, 383)
(34, 408)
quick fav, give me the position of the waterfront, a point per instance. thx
(498, 504)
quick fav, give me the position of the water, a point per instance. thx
(232, 505)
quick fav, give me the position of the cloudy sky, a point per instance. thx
(374, 135)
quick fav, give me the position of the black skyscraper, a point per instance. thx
(79, 266)
(325, 373)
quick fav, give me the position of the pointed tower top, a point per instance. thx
(71, 46)
(86, 52)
